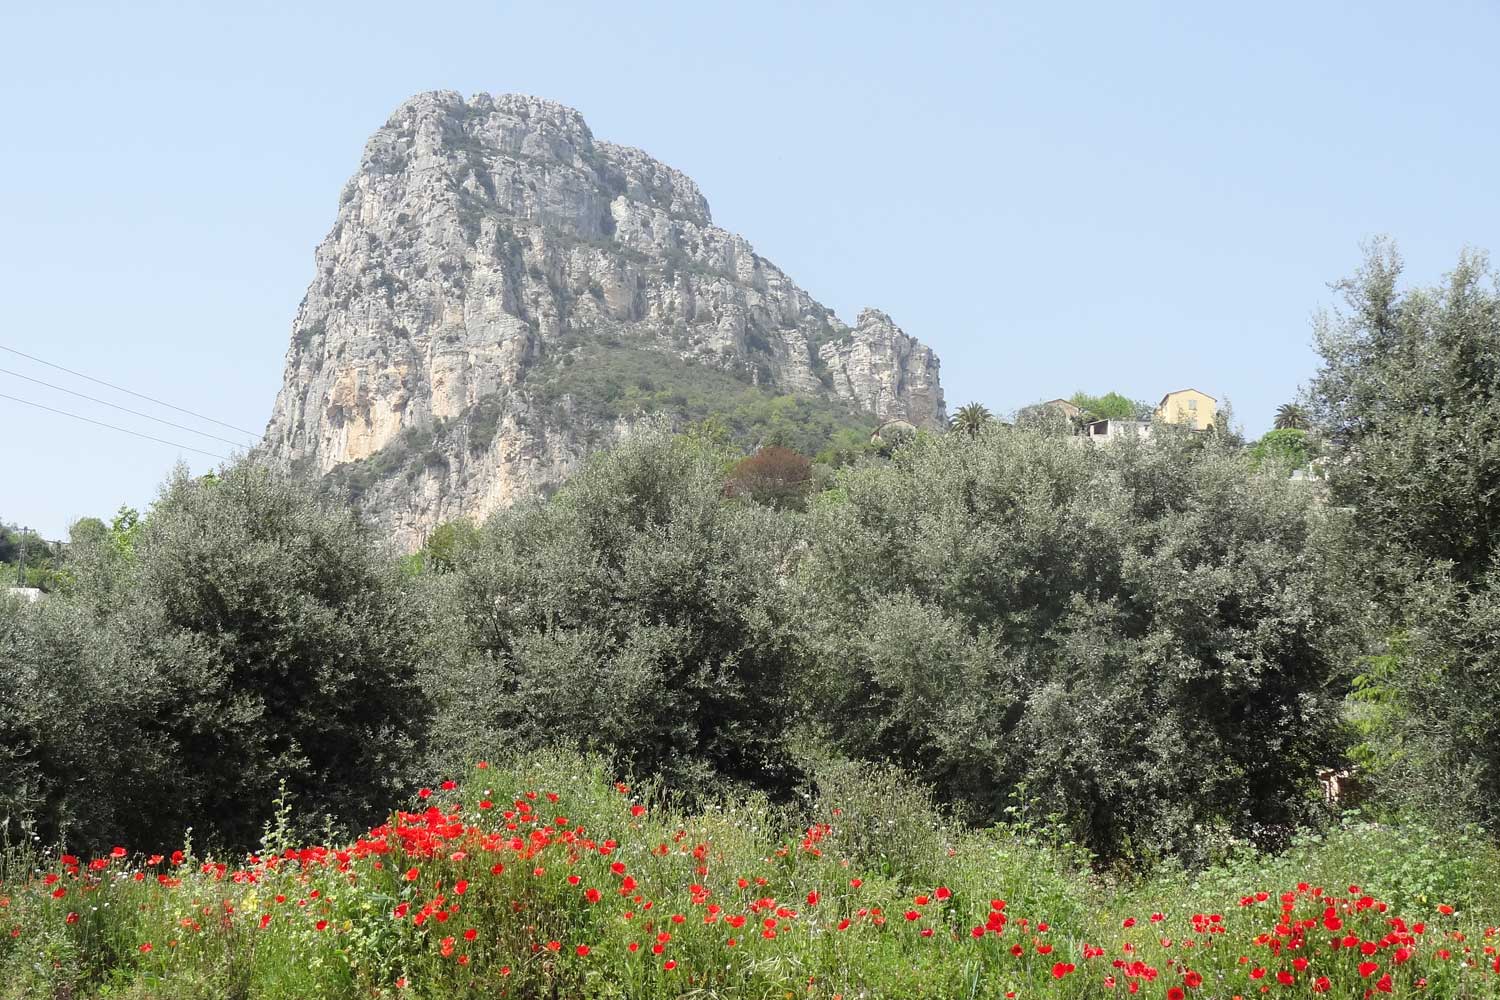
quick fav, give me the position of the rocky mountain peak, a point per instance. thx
(501, 293)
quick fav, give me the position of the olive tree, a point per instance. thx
(254, 632)
(1139, 641)
(638, 612)
(1409, 395)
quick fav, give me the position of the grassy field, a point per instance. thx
(545, 878)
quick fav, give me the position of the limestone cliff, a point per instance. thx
(502, 293)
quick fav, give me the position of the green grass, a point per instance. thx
(488, 893)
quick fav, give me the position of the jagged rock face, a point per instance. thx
(881, 369)
(483, 241)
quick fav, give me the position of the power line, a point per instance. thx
(122, 430)
(117, 388)
(126, 409)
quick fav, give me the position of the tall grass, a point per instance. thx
(545, 878)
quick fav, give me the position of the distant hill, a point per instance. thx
(502, 294)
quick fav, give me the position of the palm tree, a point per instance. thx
(1290, 416)
(970, 419)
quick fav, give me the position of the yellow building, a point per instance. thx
(1189, 407)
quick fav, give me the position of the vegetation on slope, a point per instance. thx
(590, 385)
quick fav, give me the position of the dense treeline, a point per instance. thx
(1149, 648)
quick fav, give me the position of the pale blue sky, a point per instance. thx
(1132, 197)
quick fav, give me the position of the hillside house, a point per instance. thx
(1062, 407)
(1114, 430)
(1188, 407)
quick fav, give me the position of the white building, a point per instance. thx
(1114, 430)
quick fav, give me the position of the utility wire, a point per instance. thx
(117, 388)
(126, 409)
(122, 430)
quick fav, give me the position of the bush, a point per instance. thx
(1146, 638)
(775, 476)
(637, 613)
(253, 632)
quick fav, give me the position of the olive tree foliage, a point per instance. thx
(638, 613)
(1409, 395)
(79, 760)
(1139, 642)
(253, 632)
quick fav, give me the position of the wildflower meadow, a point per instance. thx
(548, 879)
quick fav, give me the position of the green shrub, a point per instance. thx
(1147, 637)
(252, 632)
